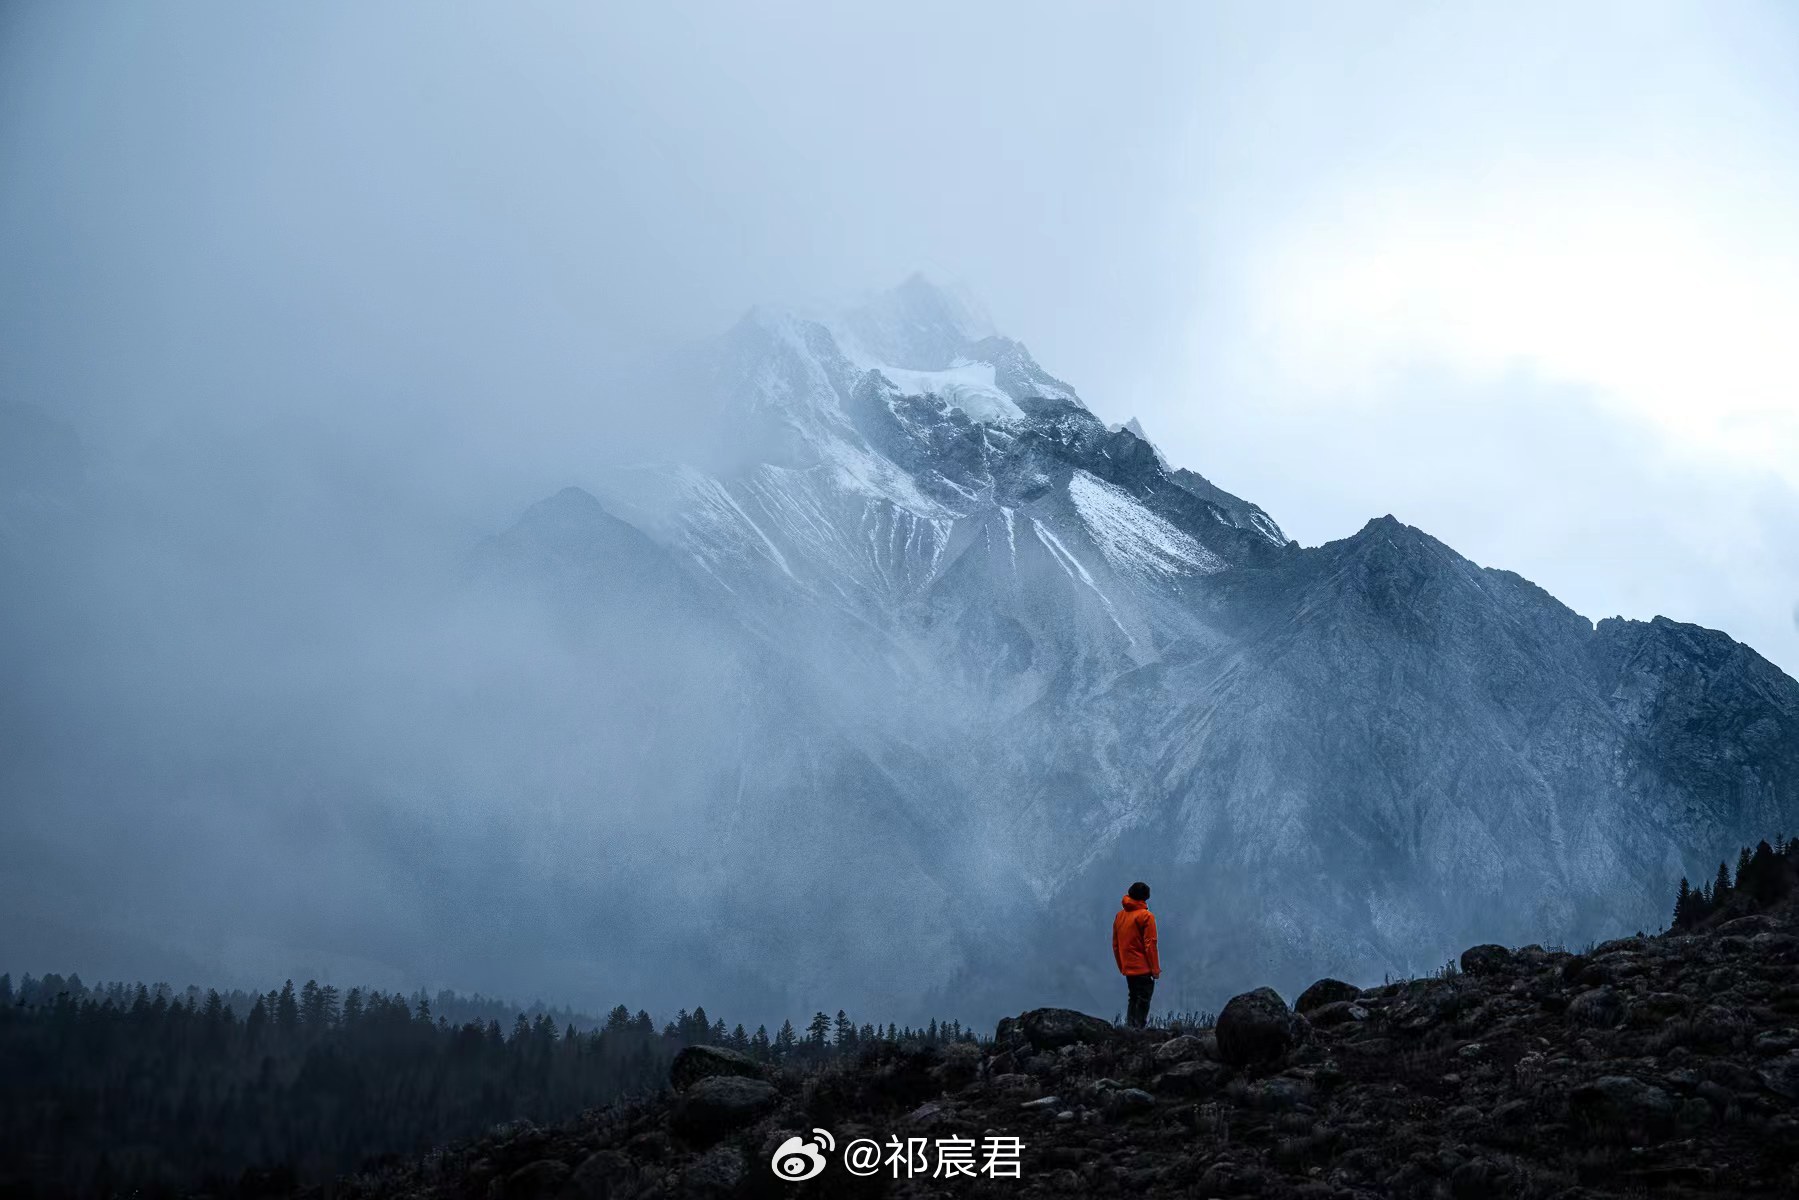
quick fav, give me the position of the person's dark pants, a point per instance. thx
(1137, 1015)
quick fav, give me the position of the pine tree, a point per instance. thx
(1764, 883)
(785, 1041)
(759, 1049)
(1743, 869)
(844, 1031)
(312, 1007)
(1721, 887)
(287, 1013)
(817, 1031)
(1683, 904)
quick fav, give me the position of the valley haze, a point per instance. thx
(871, 700)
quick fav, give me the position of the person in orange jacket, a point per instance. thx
(1134, 950)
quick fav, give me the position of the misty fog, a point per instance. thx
(305, 308)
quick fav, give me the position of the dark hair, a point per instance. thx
(1139, 891)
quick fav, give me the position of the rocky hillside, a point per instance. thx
(1664, 1066)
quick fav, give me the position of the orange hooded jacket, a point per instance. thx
(1134, 939)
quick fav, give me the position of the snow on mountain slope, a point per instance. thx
(968, 386)
(1130, 536)
(855, 475)
(1037, 650)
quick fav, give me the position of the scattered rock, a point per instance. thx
(1676, 1074)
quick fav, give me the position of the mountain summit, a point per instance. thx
(989, 659)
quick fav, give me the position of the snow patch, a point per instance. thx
(1133, 538)
(965, 385)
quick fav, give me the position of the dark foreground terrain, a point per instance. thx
(1664, 1066)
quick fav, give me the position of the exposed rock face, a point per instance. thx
(1470, 1085)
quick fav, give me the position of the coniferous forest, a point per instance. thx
(130, 1089)
(1768, 873)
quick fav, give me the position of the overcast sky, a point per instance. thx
(1521, 275)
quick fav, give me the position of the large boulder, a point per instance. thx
(695, 1063)
(1256, 1027)
(714, 1106)
(1052, 1028)
(1325, 991)
(1486, 959)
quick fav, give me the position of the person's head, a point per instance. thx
(1139, 892)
